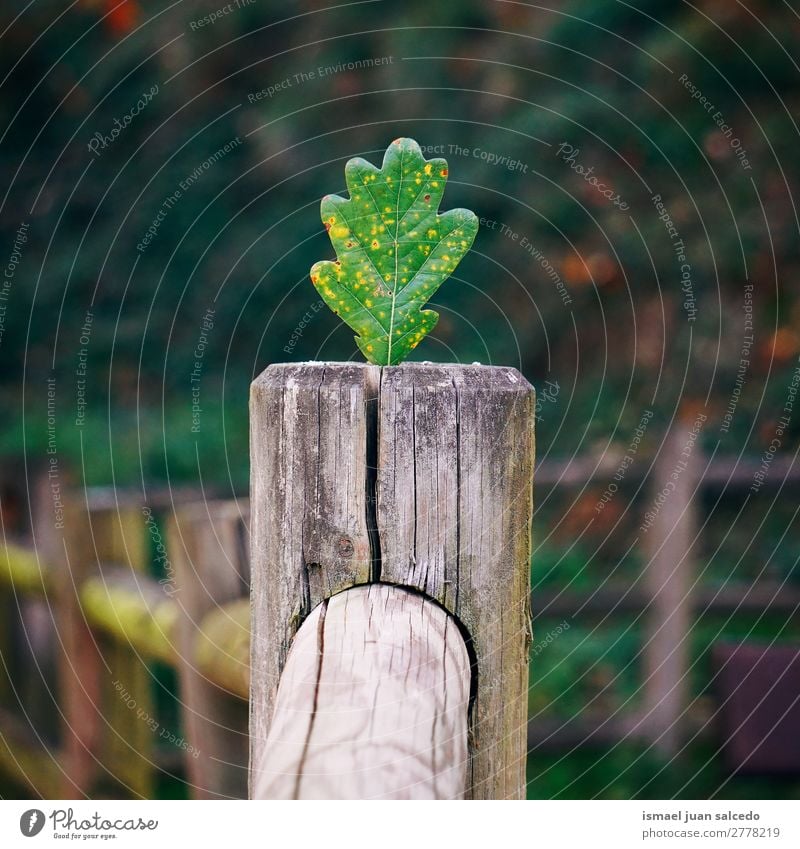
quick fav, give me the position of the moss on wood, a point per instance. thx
(222, 650)
(134, 610)
(21, 569)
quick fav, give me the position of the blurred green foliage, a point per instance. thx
(587, 670)
(473, 79)
(254, 118)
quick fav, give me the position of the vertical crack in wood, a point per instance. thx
(243, 554)
(315, 703)
(414, 554)
(373, 404)
(317, 489)
(456, 609)
(306, 601)
(305, 584)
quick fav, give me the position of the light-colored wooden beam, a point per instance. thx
(372, 703)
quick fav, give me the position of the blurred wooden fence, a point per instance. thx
(110, 625)
(86, 625)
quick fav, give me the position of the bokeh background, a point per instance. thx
(634, 166)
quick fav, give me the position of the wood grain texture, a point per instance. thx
(208, 551)
(308, 506)
(372, 703)
(415, 475)
(454, 509)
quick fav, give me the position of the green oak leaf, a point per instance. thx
(393, 250)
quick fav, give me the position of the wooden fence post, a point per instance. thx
(670, 525)
(205, 546)
(95, 530)
(416, 475)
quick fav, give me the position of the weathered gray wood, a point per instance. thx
(415, 475)
(205, 545)
(372, 703)
(668, 543)
(454, 509)
(418, 481)
(308, 507)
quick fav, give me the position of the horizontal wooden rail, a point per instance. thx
(97, 499)
(764, 596)
(728, 472)
(133, 609)
(222, 650)
(560, 734)
(372, 703)
(21, 569)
